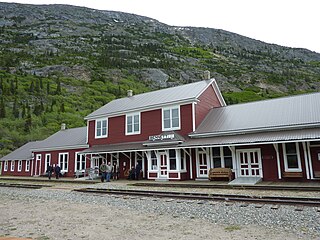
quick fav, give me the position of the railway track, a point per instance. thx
(302, 201)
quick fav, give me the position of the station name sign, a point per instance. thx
(162, 137)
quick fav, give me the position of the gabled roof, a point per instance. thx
(301, 111)
(22, 153)
(64, 139)
(151, 100)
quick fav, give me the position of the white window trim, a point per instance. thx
(27, 167)
(184, 160)
(5, 168)
(76, 159)
(299, 169)
(46, 163)
(95, 128)
(19, 165)
(63, 162)
(162, 118)
(12, 166)
(132, 115)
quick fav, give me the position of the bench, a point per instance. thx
(220, 173)
(292, 174)
(79, 173)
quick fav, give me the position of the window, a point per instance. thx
(80, 162)
(172, 159)
(63, 161)
(216, 156)
(12, 165)
(292, 160)
(171, 118)
(101, 128)
(19, 165)
(222, 157)
(47, 161)
(133, 124)
(154, 161)
(5, 166)
(27, 169)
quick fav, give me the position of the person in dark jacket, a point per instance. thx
(138, 170)
(57, 171)
(49, 171)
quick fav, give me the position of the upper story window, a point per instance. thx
(101, 128)
(171, 118)
(133, 124)
(292, 161)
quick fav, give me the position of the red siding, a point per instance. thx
(208, 100)
(151, 124)
(55, 160)
(22, 173)
(314, 156)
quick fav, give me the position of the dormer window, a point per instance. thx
(133, 124)
(101, 128)
(171, 118)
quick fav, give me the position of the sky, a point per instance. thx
(292, 23)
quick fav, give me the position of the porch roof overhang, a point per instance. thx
(300, 135)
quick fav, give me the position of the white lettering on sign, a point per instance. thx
(161, 137)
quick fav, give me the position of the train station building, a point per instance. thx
(183, 132)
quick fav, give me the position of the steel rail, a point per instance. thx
(213, 197)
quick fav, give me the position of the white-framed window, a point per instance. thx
(101, 128)
(171, 118)
(291, 155)
(47, 161)
(221, 157)
(133, 124)
(12, 165)
(38, 157)
(80, 162)
(27, 168)
(172, 159)
(5, 168)
(19, 165)
(63, 161)
(183, 160)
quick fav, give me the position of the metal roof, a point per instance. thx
(281, 113)
(173, 95)
(65, 139)
(22, 153)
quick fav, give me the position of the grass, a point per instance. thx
(232, 228)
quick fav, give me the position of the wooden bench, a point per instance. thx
(292, 174)
(220, 173)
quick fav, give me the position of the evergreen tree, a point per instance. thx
(58, 90)
(2, 108)
(28, 123)
(48, 88)
(15, 109)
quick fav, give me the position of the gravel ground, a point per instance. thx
(50, 213)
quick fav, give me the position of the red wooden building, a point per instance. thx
(179, 133)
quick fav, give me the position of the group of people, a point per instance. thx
(56, 170)
(108, 171)
(134, 173)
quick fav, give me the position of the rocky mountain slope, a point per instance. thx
(59, 62)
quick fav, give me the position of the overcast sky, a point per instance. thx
(293, 23)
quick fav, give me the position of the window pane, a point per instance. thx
(175, 113)
(175, 122)
(228, 162)
(129, 120)
(98, 124)
(291, 147)
(98, 132)
(216, 152)
(166, 123)
(217, 162)
(129, 128)
(166, 114)
(136, 127)
(226, 151)
(104, 123)
(292, 161)
(104, 131)
(136, 119)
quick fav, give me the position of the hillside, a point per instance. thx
(59, 63)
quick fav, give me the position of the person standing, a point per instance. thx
(49, 171)
(108, 172)
(103, 170)
(57, 171)
(138, 170)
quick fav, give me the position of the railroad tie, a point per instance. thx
(299, 209)
(275, 207)
(258, 206)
